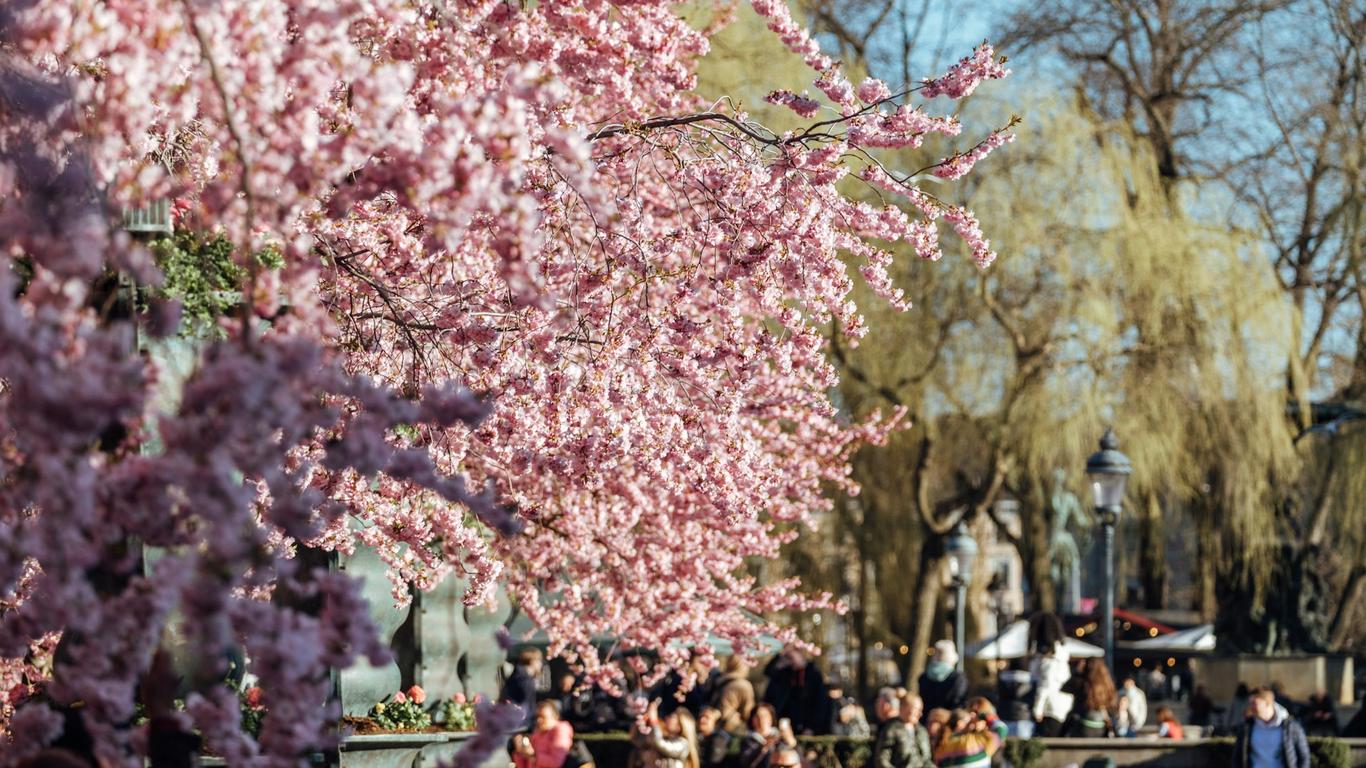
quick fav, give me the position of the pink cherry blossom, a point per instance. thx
(546, 322)
(959, 165)
(964, 77)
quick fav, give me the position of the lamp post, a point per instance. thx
(1108, 470)
(961, 550)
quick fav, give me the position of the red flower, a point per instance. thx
(253, 697)
(417, 694)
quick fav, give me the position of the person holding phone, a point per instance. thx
(548, 744)
(764, 737)
(666, 742)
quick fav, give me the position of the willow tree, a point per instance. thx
(1109, 311)
(1275, 125)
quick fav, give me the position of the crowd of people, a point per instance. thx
(724, 722)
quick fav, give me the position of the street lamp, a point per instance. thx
(961, 550)
(1108, 470)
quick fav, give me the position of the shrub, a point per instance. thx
(1024, 753)
(1329, 752)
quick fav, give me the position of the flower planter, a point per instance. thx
(397, 750)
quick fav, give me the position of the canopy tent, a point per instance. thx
(1013, 643)
(1193, 640)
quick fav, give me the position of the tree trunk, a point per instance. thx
(927, 588)
(861, 617)
(1353, 595)
(1034, 550)
(1206, 562)
(1152, 555)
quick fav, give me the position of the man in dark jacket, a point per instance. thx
(892, 747)
(713, 743)
(942, 686)
(797, 692)
(1270, 738)
(520, 687)
(1319, 715)
(1015, 691)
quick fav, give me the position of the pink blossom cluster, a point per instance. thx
(640, 310)
(964, 77)
(796, 37)
(960, 165)
(803, 105)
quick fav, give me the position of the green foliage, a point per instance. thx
(1024, 753)
(1328, 752)
(201, 273)
(400, 716)
(454, 715)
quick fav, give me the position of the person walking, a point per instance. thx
(520, 686)
(1049, 672)
(1270, 737)
(1201, 707)
(734, 697)
(1092, 711)
(1236, 711)
(1134, 713)
(797, 692)
(942, 686)
(1015, 691)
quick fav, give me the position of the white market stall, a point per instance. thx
(1013, 643)
(1194, 640)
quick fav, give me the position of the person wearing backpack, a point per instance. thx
(1270, 737)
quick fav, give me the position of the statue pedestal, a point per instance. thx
(361, 685)
(456, 650)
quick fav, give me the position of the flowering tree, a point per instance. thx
(528, 203)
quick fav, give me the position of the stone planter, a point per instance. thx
(397, 750)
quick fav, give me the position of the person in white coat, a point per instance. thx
(1133, 708)
(1051, 672)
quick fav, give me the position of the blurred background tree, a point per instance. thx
(1181, 231)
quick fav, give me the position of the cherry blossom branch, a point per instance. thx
(243, 157)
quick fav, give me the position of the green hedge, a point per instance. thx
(1327, 752)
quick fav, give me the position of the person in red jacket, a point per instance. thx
(1168, 727)
(549, 742)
